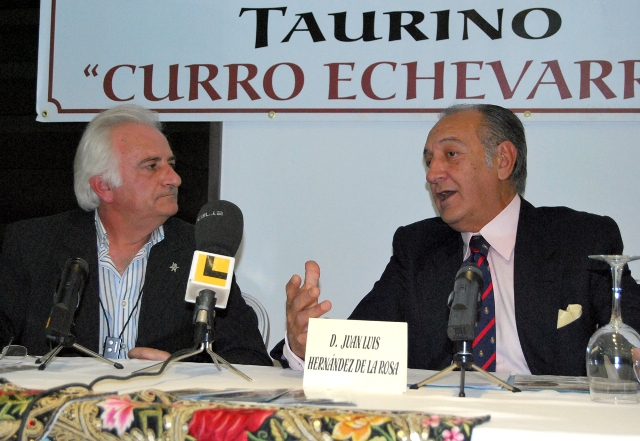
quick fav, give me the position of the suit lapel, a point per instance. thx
(448, 258)
(80, 241)
(168, 265)
(435, 282)
(535, 305)
(442, 264)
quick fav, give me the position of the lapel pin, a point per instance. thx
(174, 267)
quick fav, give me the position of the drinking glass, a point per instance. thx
(12, 353)
(611, 368)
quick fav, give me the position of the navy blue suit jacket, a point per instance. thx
(551, 271)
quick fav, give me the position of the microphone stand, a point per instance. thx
(66, 300)
(69, 341)
(463, 359)
(204, 316)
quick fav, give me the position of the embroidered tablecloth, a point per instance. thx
(76, 413)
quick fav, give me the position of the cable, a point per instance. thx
(89, 387)
(143, 374)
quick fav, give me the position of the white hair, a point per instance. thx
(95, 155)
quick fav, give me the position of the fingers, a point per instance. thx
(292, 288)
(316, 311)
(305, 296)
(311, 274)
(148, 354)
(302, 304)
(303, 318)
(311, 280)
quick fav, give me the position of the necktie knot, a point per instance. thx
(479, 244)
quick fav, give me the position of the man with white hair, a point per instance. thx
(138, 254)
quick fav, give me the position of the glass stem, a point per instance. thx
(616, 314)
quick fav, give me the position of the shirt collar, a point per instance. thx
(501, 231)
(103, 242)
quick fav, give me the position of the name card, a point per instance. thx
(356, 355)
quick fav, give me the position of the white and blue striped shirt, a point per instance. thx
(120, 294)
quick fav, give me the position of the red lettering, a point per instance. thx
(194, 70)
(366, 81)
(107, 84)
(585, 78)
(298, 78)
(173, 84)
(559, 80)
(629, 77)
(461, 87)
(334, 78)
(507, 92)
(412, 79)
(252, 71)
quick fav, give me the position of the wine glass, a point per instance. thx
(611, 367)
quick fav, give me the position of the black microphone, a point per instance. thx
(464, 302)
(218, 231)
(219, 228)
(67, 299)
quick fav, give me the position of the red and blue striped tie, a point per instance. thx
(484, 345)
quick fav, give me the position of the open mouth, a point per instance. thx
(444, 195)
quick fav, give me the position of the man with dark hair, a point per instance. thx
(138, 254)
(534, 260)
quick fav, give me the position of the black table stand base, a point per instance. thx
(204, 316)
(206, 346)
(70, 342)
(464, 360)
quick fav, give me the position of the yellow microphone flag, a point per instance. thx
(212, 270)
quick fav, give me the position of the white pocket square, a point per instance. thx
(572, 313)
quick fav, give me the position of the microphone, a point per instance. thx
(218, 231)
(67, 299)
(464, 301)
(218, 234)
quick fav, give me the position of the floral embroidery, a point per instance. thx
(452, 435)
(118, 413)
(151, 414)
(357, 427)
(431, 421)
(226, 424)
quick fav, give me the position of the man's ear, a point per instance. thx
(506, 154)
(101, 188)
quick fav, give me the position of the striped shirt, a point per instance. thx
(120, 294)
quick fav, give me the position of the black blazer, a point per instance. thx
(551, 271)
(34, 254)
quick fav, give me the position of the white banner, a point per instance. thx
(204, 60)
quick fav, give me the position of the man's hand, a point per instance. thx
(148, 354)
(302, 304)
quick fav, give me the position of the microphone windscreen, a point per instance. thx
(219, 228)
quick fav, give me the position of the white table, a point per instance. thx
(545, 415)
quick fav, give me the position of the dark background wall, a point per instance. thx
(36, 166)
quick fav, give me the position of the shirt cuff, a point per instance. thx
(295, 363)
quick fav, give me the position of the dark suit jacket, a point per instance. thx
(34, 254)
(551, 271)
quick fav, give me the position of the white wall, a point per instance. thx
(336, 192)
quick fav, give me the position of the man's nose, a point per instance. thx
(436, 171)
(172, 178)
